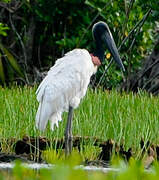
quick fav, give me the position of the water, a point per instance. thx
(38, 166)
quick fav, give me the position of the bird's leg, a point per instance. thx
(68, 132)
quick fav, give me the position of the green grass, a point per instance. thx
(126, 118)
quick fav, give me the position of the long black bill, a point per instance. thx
(109, 41)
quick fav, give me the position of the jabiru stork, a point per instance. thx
(67, 81)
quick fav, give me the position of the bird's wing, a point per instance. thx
(65, 84)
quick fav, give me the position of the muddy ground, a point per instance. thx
(29, 149)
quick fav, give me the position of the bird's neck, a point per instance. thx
(99, 51)
(95, 60)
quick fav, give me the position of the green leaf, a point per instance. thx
(2, 75)
(3, 29)
(12, 60)
(6, 1)
(3, 33)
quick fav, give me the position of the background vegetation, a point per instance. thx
(34, 33)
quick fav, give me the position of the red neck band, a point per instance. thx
(95, 60)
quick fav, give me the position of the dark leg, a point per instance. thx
(68, 132)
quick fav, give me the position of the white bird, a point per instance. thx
(67, 81)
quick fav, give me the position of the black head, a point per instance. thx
(99, 29)
(104, 39)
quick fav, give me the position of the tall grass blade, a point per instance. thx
(12, 60)
(2, 75)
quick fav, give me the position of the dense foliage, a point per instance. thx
(41, 31)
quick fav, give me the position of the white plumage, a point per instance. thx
(64, 86)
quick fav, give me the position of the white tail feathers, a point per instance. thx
(55, 118)
(45, 113)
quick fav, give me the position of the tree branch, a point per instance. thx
(97, 15)
(157, 61)
(22, 44)
(135, 27)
